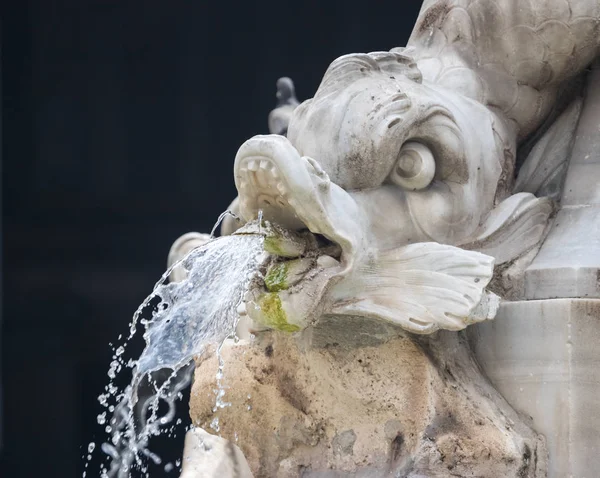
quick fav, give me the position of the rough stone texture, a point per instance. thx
(401, 406)
(209, 456)
(543, 357)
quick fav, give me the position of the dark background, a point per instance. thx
(121, 120)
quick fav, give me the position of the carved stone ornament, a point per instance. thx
(411, 195)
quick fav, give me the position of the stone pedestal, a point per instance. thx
(364, 403)
(542, 356)
(568, 264)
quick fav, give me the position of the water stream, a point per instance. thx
(185, 318)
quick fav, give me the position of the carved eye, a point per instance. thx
(415, 166)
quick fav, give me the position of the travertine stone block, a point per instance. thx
(542, 356)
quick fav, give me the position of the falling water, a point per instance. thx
(186, 318)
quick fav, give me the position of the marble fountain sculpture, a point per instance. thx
(420, 193)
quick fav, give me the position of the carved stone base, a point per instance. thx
(543, 357)
(371, 403)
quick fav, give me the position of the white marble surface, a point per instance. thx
(568, 264)
(209, 456)
(542, 356)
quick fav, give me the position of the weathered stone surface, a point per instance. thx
(543, 172)
(568, 264)
(404, 406)
(543, 357)
(209, 456)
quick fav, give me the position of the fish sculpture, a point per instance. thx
(398, 176)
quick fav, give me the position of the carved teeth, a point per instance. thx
(261, 174)
(261, 178)
(281, 188)
(272, 181)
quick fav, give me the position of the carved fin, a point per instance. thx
(423, 287)
(513, 227)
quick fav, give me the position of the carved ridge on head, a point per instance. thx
(349, 68)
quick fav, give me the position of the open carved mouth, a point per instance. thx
(310, 238)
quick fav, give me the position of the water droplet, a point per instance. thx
(214, 424)
(91, 447)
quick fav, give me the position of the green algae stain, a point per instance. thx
(274, 314)
(276, 278)
(272, 244)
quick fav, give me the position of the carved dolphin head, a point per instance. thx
(374, 125)
(393, 170)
